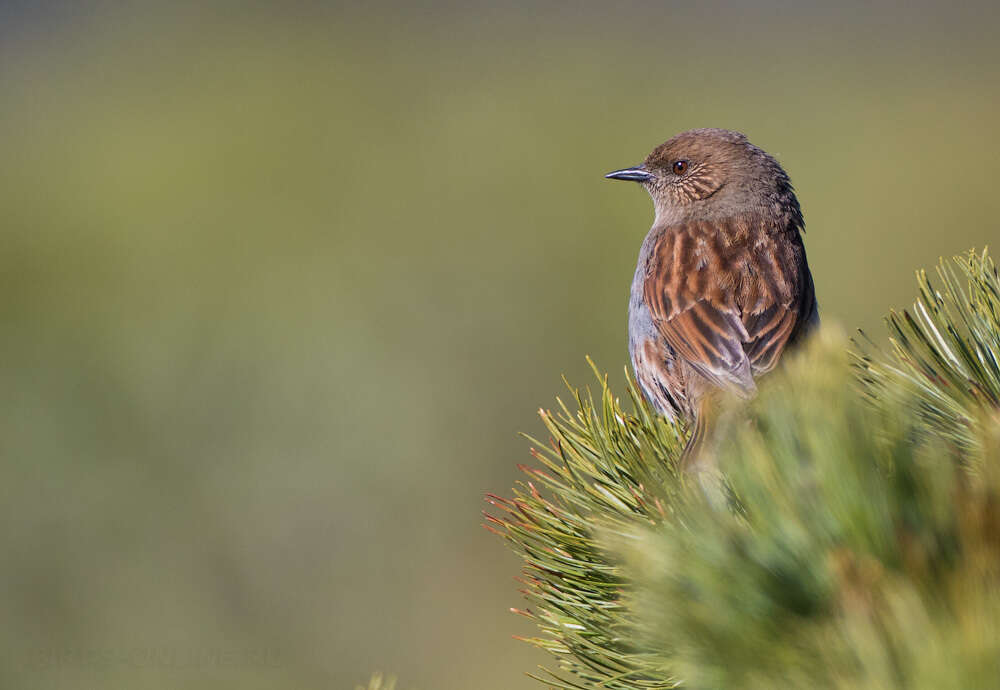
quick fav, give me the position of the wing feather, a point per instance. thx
(727, 297)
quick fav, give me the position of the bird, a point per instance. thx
(722, 288)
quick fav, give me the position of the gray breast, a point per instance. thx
(640, 321)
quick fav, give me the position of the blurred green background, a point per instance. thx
(281, 282)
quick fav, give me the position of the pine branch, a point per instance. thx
(945, 353)
(605, 469)
(860, 550)
(866, 557)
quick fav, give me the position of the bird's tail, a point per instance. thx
(699, 461)
(697, 455)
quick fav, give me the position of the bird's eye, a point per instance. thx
(680, 167)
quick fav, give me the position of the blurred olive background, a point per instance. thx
(281, 282)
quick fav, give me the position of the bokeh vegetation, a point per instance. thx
(281, 283)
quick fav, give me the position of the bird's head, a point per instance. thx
(705, 174)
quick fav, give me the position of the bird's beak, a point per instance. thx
(636, 173)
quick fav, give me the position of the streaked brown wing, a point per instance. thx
(710, 339)
(724, 298)
(768, 334)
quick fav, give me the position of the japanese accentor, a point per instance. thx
(722, 286)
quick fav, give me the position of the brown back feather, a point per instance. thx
(729, 296)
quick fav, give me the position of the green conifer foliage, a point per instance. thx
(856, 545)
